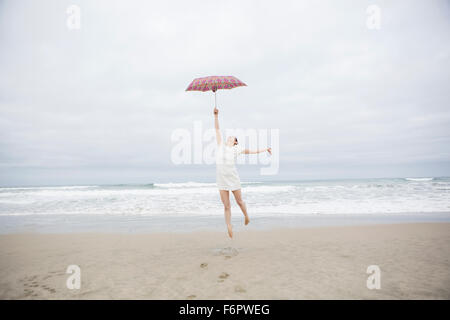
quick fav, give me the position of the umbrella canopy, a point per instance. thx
(214, 83)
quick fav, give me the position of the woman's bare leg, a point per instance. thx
(225, 197)
(238, 196)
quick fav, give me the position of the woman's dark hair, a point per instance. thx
(235, 140)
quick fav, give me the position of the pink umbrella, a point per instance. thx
(214, 83)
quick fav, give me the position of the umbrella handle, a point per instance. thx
(215, 99)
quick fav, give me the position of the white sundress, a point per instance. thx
(227, 177)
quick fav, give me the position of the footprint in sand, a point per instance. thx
(223, 275)
(29, 293)
(32, 283)
(203, 265)
(239, 289)
(227, 252)
(51, 290)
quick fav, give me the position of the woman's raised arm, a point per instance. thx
(216, 125)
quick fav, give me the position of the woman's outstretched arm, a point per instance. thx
(216, 125)
(246, 151)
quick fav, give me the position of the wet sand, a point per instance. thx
(287, 263)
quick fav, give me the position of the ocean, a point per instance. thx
(196, 205)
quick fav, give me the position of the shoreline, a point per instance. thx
(65, 223)
(281, 263)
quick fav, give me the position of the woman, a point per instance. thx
(226, 173)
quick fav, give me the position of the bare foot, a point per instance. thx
(230, 231)
(247, 220)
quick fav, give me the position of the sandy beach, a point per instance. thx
(288, 263)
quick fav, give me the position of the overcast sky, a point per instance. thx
(99, 104)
